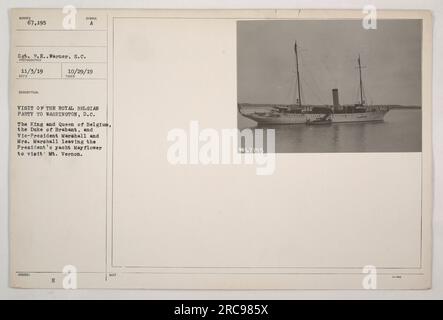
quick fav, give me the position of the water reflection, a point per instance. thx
(400, 132)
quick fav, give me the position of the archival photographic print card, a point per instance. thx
(220, 149)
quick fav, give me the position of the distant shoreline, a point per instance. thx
(406, 107)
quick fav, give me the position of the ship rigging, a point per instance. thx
(304, 114)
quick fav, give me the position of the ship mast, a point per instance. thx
(361, 82)
(298, 74)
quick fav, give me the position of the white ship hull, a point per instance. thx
(277, 118)
(369, 116)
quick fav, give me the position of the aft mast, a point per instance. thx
(361, 82)
(298, 74)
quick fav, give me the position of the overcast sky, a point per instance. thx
(328, 59)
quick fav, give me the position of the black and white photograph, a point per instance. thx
(332, 85)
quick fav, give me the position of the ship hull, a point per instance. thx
(288, 118)
(281, 119)
(371, 116)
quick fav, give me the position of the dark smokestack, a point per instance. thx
(335, 98)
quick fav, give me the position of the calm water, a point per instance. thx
(400, 132)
